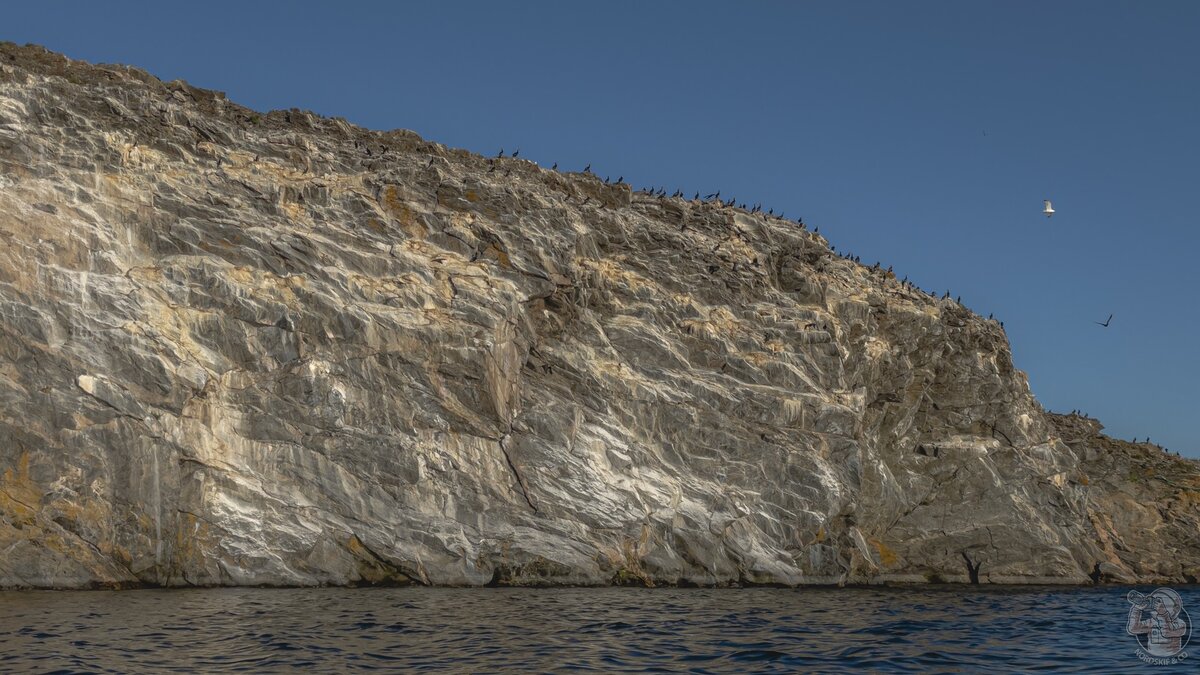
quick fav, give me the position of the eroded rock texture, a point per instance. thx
(278, 349)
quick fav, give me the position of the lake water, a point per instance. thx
(941, 629)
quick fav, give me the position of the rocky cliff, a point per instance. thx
(243, 348)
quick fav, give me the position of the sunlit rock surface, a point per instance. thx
(244, 348)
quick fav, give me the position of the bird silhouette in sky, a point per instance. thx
(1105, 324)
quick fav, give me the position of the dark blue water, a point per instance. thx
(601, 630)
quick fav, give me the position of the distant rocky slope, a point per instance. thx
(243, 348)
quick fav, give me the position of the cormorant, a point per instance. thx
(555, 167)
(516, 152)
(587, 169)
(500, 154)
(1105, 324)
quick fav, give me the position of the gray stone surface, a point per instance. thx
(244, 348)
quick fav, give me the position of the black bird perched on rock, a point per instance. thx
(555, 167)
(587, 169)
(697, 195)
(716, 194)
(1105, 324)
(516, 152)
(620, 179)
(500, 154)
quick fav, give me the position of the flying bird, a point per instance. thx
(1049, 210)
(1105, 324)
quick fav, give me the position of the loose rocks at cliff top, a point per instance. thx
(243, 348)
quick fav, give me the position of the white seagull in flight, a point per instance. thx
(1049, 210)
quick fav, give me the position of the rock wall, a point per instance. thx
(244, 348)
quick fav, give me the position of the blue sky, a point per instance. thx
(921, 134)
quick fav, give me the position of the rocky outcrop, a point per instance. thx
(243, 348)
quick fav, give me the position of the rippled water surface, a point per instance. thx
(604, 630)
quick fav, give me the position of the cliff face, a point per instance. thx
(278, 349)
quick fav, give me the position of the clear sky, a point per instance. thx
(921, 134)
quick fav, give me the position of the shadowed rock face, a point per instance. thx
(278, 349)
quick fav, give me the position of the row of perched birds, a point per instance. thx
(1078, 413)
(730, 202)
(661, 192)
